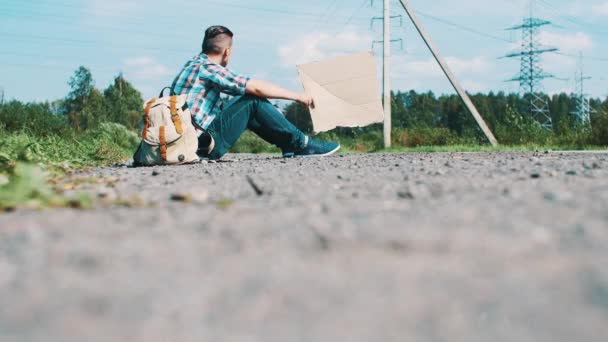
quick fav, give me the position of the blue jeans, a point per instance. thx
(259, 116)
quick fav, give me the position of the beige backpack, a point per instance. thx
(168, 136)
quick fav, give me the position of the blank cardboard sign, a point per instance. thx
(345, 91)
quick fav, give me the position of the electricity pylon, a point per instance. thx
(583, 103)
(531, 73)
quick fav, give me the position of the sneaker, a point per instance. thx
(314, 148)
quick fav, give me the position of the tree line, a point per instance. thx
(506, 114)
(84, 108)
(437, 119)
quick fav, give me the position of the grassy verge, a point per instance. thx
(30, 165)
(480, 148)
(107, 144)
(404, 141)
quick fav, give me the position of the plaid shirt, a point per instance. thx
(204, 80)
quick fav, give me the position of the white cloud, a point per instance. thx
(145, 68)
(601, 9)
(425, 74)
(321, 45)
(475, 86)
(567, 42)
(429, 68)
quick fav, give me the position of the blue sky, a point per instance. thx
(148, 41)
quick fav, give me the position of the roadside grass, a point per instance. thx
(487, 148)
(31, 166)
(110, 143)
(371, 142)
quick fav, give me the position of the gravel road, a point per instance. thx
(384, 247)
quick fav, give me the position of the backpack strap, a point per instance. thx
(163, 143)
(144, 134)
(171, 92)
(177, 121)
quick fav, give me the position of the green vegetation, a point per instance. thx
(422, 119)
(90, 127)
(40, 142)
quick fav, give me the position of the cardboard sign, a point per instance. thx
(345, 91)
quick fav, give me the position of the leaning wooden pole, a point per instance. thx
(448, 72)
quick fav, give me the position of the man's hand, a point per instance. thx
(306, 100)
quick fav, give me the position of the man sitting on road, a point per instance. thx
(203, 79)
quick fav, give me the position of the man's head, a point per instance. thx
(218, 43)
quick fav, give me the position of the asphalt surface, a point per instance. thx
(386, 247)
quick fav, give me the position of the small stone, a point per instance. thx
(571, 173)
(535, 175)
(182, 197)
(106, 195)
(155, 173)
(405, 195)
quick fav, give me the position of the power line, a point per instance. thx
(584, 57)
(112, 11)
(590, 28)
(350, 19)
(461, 27)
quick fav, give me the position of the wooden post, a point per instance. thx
(448, 72)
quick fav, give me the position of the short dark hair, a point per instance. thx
(217, 39)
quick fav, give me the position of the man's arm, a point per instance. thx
(268, 90)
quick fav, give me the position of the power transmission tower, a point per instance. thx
(531, 73)
(583, 103)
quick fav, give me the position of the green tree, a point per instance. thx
(124, 103)
(84, 105)
(299, 115)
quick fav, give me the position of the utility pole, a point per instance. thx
(531, 73)
(386, 67)
(448, 73)
(583, 103)
(386, 56)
